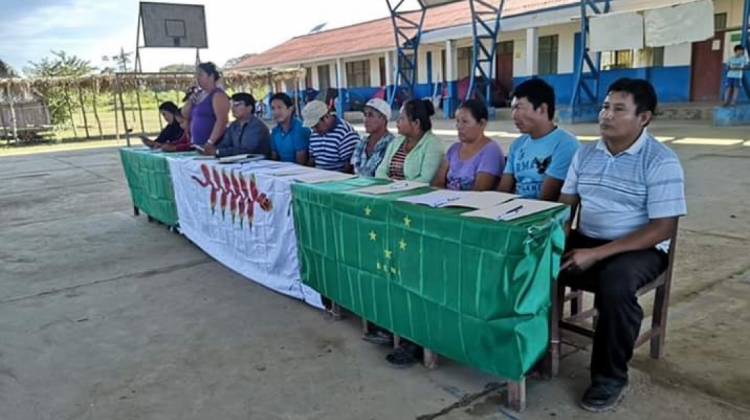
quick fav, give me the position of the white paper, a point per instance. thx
(318, 176)
(395, 187)
(240, 158)
(481, 200)
(436, 198)
(679, 24)
(512, 210)
(616, 31)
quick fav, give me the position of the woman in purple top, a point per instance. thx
(476, 162)
(207, 108)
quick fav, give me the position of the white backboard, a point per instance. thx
(679, 24)
(167, 25)
(616, 31)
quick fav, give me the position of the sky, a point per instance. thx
(91, 29)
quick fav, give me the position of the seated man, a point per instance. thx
(538, 161)
(181, 144)
(631, 192)
(246, 135)
(290, 141)
(333, 140)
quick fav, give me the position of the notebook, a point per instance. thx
(513, 210)
(394, 187)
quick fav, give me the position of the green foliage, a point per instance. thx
(178, 68)
(59, 65)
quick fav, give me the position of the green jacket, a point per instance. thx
(421, 163)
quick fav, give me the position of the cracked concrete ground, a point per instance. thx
(105, 316)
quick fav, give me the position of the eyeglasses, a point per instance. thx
(237, 104)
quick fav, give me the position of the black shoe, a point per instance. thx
(407, 354)
(603, 396)
(381, 337)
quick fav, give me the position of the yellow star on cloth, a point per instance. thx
(380, 266)
(368, 211)
(388, 254)
(373, 236)
(393, 270)
(402, 245)
(407, 221)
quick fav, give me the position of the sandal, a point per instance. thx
(406, 355)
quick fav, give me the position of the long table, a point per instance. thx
(473, 290)
(150, 183)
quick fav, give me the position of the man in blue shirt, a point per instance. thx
(289, 139)
(245, 135)
(630, 191)
(538, 161)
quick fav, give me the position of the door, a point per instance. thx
(706, 69)
(504, 69)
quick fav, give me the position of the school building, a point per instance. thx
(538, 38)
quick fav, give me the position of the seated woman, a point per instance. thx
(475, 162)
(172, 131)
(416, 154)
(183, 143)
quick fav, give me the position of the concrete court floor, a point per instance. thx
(105, 316)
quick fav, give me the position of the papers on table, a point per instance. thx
(241, 158)
(394, 187)
(513, 210)
(469, 199)
(318, 176)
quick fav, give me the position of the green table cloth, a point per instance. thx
(473, 290)
(150, 184)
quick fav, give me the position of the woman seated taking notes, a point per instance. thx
(416, 153)
(475, 162)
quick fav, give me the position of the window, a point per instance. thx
(358, 74)
(657, 59)
(505, 48)
(465, 61)
(548, 54)
(621, 59)
(405, 66)
(324, 77)
(720, 22)
(308, 77)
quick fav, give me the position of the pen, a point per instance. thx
(512, 211)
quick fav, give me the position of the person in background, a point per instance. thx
(332, 141)
(475, 162)
(416, 154)
(538, 161)
(246, 135)
(181, 144)
(206, 108)
(172, 131)
(735, 66)
(371, 149)
(290, 141)
(631, 192)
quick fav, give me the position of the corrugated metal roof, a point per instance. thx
(377, 34)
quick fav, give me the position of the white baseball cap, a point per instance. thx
(313, 112)
(381, 106)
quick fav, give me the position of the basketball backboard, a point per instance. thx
(167, 25)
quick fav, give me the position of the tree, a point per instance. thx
(59, 65)
(6, 70)
(234, 61)
(120, 60)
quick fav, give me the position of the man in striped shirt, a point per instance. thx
(631, 192)
(332, 141)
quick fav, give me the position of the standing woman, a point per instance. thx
(416, 154)
(207, 109)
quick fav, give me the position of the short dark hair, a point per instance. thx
(642, 90)
(283, 97)
(739, 47)
(537, 92)
(477, 109)
(420, 110)
(170, 107)
(210, 69)
(245, 98)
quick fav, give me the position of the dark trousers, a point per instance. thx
(614, 282)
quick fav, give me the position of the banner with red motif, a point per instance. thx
(241, 215)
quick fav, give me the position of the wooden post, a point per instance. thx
(517, 395)
(117, 117)
(4, 125)
(70, 111)
(158, 113)
(83, 111)
(96, 111)
(122, 108)
(140, 108)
